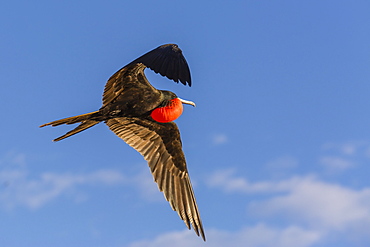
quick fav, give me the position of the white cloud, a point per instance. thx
(219, 139)
(341, 156)
(348, 149)
(312, 211)
(303, 200)
(20, 189)
(334, 163)
(345, 148)
(226, 181)
(256, 236)
(319, 204)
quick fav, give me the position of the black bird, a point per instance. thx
(143, 117)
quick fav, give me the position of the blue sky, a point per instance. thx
(278, 147)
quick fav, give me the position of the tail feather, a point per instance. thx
(85, 123)
(71, 120)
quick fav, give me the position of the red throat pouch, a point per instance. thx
(168, 113)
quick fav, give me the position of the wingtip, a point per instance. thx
(169, 61)
(200, 233)
(203, 235)
(204, 238)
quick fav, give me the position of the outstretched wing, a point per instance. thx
(166, 60)
(160, 144)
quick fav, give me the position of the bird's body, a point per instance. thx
(142, 116)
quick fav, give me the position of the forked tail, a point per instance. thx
(84, 120)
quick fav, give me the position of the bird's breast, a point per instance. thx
(168, 113)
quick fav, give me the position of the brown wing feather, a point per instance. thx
(161, 147)
(130, 76)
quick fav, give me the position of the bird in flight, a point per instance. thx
(143, 117)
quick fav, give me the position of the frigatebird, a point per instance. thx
(143, 117)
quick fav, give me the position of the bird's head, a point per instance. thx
(170, 109)
(169, 96)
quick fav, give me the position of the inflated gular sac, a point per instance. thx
(168, 113)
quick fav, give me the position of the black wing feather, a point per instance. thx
(168, 61)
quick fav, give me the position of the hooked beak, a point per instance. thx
(188, 102)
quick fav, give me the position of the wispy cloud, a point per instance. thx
(227, 181)
(341, 156)
(219, 139)
(303, 200)
(335, 163)
(255, 236)
(308, 209)
(318, 204)
(20, 189)
(348, 148)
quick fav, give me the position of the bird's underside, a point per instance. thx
(128, 100)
